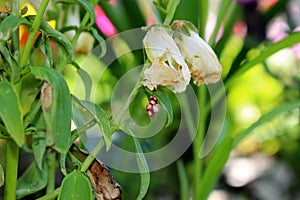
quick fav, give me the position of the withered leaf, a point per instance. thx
(46, 97)
(104, 185)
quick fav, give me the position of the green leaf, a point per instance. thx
(10, 112)
(215, 166)
(142, 166)
(183, 180)
(101, 42)
(1, 176)
(39, 147)
(10, 24)
(57, 108)
(86, 79)
(223, 11)
(289, 41)
(100, 115)
(57, 37)
(32, 181)
(75, 186)
(89, 8)
(165, 101)
(171, 9)
(265, 118)
(11, 63)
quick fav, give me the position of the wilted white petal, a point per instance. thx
(161, 74)
(160, 45)
(203, 62)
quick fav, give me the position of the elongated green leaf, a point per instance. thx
(89, 9)
(224, 7)
(265, 118)
(203, 15)
(11, 63)
(10, 24)
(183, 180)
(215, 166)
(32, 181)
(171, 8)
(57, 106)
(57, 37)
(142, 166)
(86, 79)
(101, 42)
(165, 101)
(1, 176)
(289, 41)
(100, 115)
(39, 147)
(10, 112)
(75, 186)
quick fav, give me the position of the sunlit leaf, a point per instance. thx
(215, 166)
(75, 186)
(10, 112)
(289, 41)
(57, 108)
(165, 101)
(32, 181)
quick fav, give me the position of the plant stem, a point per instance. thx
(51, 162)
(33, 32)
(12, 158)
(88, 161)
(198, 163)
(51, 195)
(15, 10)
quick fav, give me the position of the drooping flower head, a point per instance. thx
(178, 54)
(168, 66)
(202, 60)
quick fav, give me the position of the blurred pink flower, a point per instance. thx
(104, 23)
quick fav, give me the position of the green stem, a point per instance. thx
(198, 163)
(33, 32)
(15, 10)
(12, 156)
(51, 162)
(202, 17)
(51, 195)
(88, 161)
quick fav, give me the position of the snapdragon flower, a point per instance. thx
(202, 60)
(168, 66)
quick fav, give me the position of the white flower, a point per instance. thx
(202, 61)
(168, 66)
(161, 74)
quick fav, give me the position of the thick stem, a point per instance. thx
(11, 172)
(33, 32)
(198, 163)
(51, 162)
